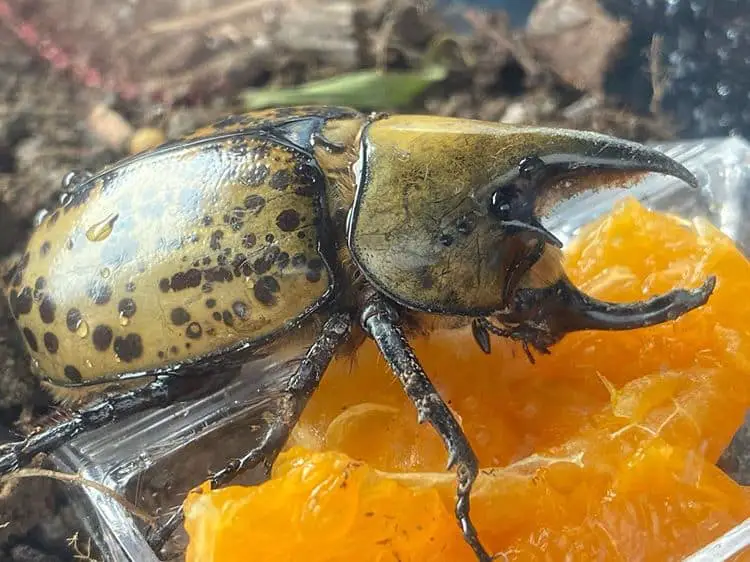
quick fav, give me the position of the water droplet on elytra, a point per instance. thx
(101, 230)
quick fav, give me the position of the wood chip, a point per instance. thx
(577, 40)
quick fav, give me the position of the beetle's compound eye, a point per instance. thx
(511, 203)
(515, 201)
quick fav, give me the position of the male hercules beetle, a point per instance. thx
(229, 241)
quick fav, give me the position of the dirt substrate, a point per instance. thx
(52, 120)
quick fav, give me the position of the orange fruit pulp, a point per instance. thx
(603, 450)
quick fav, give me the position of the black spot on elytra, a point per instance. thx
(100, 293)
(73, 319)
(40, 283)
(51, 342)
(173, 350)
(215, 242)
(130, 287)
(241, 309)
(241, 266)
(217, 316)
(254, 204)
(218, 274)
(301, 235)
(206, 260)
(207, 288)
(126, 307)
(314, 267)
(73, 374)
(283, 260)
(30, 339)
(128, 348)
(227, 317)
(164, 285)
(194, 331)
(210, 303)
(249, 240)
(261, 265)
(236, 219)
(211, 331)
(23, 301)
(161, 355)
(186, 279)
(255, 175)
(44, 248)
(288, 220)
(179, 316)
(312, 275)
(269, 237)
(207, 220)
(102, 337)
(265, 290)
(281, 179)
(47, 310)
(298, 260)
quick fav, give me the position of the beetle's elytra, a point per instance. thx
(212, 248)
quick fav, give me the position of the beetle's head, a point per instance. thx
(448, 219)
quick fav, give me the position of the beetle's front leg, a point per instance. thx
(381, 321)
(301, 386)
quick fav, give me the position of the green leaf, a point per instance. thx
(370, 89)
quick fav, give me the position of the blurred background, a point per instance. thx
(84, 82)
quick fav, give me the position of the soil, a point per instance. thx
(60, 77)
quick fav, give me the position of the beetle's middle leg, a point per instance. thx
(381, 321)
(301, 386)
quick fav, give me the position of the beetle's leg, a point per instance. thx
(302, 384)
(162, 390)
(380, 320)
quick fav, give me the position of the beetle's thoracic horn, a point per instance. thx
(583, 161)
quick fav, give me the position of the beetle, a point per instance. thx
(229, 242)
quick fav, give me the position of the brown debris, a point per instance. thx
(577, 40)
(109, 127)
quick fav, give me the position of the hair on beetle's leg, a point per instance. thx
(380, 320)
(301, 386)
(164, 389)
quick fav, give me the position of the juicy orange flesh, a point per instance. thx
(604, 449)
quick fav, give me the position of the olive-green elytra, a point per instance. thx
(187, 247)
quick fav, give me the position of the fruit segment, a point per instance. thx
(603, 450)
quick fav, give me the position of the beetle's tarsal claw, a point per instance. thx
(564, 308)
(481, 336)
